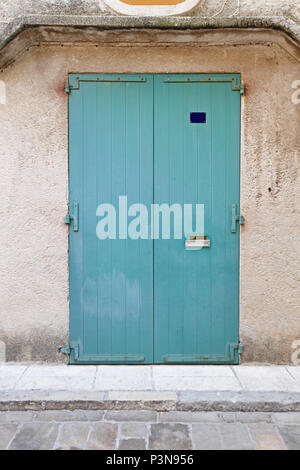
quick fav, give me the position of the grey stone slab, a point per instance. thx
(142, 396)
(196, 383)
(123, 378)
(270, 401)
(7, 432)
(206, 437)
(102, 437)
(265, 437)
(56, 397)
(9, 376)
(69, 415)
(291, 436)
(60, 370)
(228, 417)
(132, 444)
(235, 436)
(286, 418)
(35, 436)
(131, 415)
(266, 378)
(192, 371)
(73, 436)
(189, 417)
(55, 383)
(252, 417)
(16, 416)
(169, 436)
(244, 417)
(294, 371)
(133, 430)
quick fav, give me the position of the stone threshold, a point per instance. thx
(151, 400)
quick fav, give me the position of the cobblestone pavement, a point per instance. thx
(134, 430)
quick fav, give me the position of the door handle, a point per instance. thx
(197, 242)
(74, 216)
(235, 217)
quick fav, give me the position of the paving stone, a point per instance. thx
(142, 396)
(16, 416)
(67, 415)
(133, 430)
(206, 437)
(7, 432)
(132, 444)
(131, 415)
(60, 370)
(235, 436)
(123, 378)
(228, 417)
(266, 437)
(291, 436)
(197, 383)
(190, 416)
(192, 371)
(286, 418)
(103, 437)
(170, 436)
(253, 417)
(266, 378)
(73, 435)
(55, 383)
(294, 371)
(35, 436)
(9, 376)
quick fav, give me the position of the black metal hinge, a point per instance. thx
(238, 86)
(237, 348)
(67, 88)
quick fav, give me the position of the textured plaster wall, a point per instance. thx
(33, 192)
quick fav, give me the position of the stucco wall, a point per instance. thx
(33, 192)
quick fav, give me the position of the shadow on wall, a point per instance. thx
(271, 350)
(35, 346)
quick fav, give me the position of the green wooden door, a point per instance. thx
(197, 291)
(134, 141)
(111, 280)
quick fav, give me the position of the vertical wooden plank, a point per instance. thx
(176, 196)
(219, 139)
(161, 194)
(88, 207)
(119, 169)
(146, 139)
(104, 188)
(198, 191)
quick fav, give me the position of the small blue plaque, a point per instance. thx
(198, 118)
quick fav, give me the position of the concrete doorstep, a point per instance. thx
(159, 388)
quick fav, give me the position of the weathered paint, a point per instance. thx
(33, 167)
